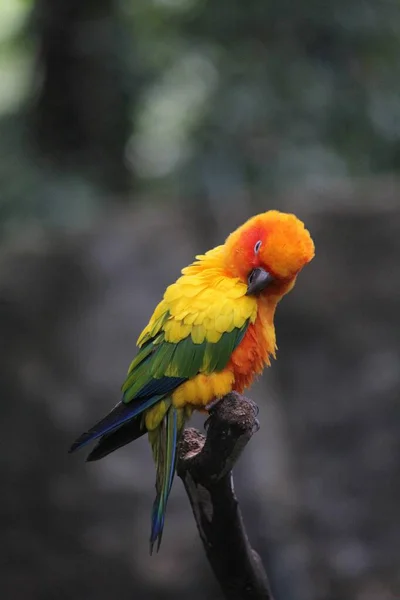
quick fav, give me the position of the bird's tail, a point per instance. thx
(164, 441)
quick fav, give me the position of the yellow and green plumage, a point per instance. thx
(205, 338)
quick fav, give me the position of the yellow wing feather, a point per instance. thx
(203, 303)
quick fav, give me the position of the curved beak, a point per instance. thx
(257, 281)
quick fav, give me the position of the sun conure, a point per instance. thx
(213, 332)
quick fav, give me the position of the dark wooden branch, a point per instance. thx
(205, 467)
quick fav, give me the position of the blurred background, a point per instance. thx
(134, 134)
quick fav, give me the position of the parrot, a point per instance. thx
(212, 333)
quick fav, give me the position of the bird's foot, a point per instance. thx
(253, 405)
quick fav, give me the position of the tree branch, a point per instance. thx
(205, 465)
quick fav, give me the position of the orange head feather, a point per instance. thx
(274, 241)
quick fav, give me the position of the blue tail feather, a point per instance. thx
(120, 414)
(167, 449)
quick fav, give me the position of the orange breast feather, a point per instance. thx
(250, 357)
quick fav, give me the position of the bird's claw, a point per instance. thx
(253, 405)
(255, 408)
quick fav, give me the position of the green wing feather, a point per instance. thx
(194, 329)
(157, 370)
(164, 365)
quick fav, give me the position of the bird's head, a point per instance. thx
(268, 252)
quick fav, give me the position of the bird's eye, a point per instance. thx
(257, 246)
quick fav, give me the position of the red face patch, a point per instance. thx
(275, 241)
